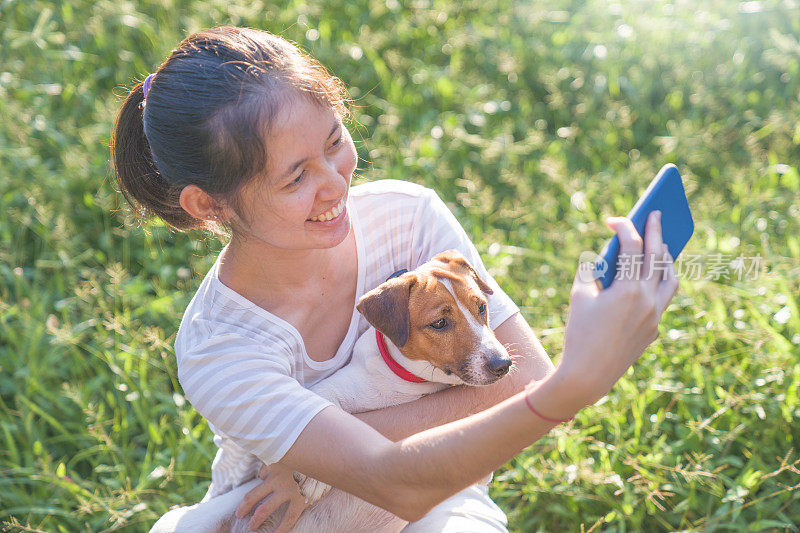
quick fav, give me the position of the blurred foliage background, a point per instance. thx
(534, 121)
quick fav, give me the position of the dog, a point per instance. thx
(429, 330)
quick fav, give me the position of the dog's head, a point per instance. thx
(439, 313)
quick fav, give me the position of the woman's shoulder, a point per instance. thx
(390, 202)
(381, 190)
(216, 321)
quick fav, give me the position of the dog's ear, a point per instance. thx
(455, 260)
(386, 308)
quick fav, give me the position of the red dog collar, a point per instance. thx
(394, 365)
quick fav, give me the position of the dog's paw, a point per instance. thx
(312, 489)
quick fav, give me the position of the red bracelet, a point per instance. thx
(537, 413)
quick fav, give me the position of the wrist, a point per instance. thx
(556, 397)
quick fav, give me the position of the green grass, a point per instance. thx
(534, 121)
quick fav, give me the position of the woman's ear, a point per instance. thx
(201, 205)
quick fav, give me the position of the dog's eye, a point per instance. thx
(439, 324)
(482, 309)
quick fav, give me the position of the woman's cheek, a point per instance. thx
(307, 202)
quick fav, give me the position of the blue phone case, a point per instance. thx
(666, 194)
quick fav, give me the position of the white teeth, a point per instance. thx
(333, 213)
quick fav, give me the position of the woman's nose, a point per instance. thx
(332, 183)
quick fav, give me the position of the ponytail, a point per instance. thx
(142, 185)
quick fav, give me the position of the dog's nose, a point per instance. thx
(498, 366)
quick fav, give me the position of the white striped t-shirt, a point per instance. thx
(246, 370)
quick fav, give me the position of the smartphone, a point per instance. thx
(666, 194)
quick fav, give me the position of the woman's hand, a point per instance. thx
(607, 330)
(278, 487)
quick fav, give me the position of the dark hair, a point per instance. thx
(206, 117)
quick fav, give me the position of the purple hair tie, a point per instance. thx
(146, 89)
(146, 85)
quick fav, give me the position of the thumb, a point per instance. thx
(585, 281)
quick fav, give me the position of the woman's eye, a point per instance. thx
(337, 142)
(439, 324)
(482, 309)
(298, 179)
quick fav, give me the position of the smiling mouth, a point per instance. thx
(331, 213)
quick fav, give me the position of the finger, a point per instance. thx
(666, 262)
(251, 498)
(263, 471)
(585, 282)
(296, 508)
(653, 247)
(668, 286)
(630, 242)
(264, 511)
(630, 249)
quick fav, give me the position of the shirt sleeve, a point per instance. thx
(437, 230)
(247, 393)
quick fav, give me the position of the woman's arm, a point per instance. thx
(606, 331)
(410, 477)
(531, 363)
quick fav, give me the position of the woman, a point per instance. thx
(241, 133)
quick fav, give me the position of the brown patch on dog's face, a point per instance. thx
(438, 313)
(440, 333)
(449, 322)
(458, 264)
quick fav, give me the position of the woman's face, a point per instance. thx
(300, 203)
